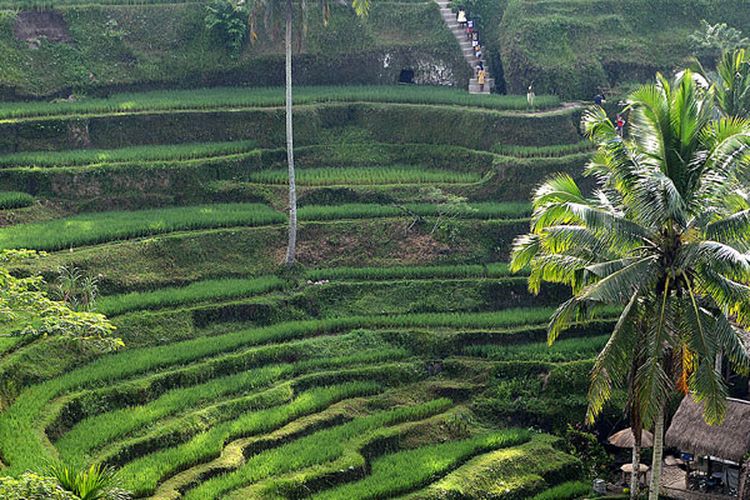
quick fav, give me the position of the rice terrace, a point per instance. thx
(373, 249)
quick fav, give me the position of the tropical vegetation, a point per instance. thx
(664, 236)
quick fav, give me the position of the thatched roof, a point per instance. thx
(624, 439)
(730, 440)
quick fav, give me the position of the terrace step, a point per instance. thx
(449, 18)
(475, 88)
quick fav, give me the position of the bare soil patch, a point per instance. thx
(32, 26)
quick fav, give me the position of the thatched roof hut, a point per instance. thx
(730, 440)
(624, 439)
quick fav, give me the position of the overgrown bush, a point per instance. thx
(585, 445)
(31, 486)
(227, 21)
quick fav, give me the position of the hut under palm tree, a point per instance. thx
(720, 451)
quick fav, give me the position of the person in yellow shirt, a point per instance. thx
(481, 78)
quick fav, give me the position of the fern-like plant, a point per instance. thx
(227, 21)
(93, 483)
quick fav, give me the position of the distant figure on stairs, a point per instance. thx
(461, 17)
(481, 77)
(469, 28)
(478, 51)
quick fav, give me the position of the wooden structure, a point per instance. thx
(729, 441)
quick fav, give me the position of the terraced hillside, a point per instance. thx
(80, 46)
(576, 49)
(401, 360)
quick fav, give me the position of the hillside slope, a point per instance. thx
(92, 48)
(574, 48)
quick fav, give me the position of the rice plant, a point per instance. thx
(319, 448)
(402, 472)
(166, 152)
(566, 491)
(99, 430)
(93, 228)
(19, 442)
(564, 350)
(493, 270)
(309, 355)
(143, 474)
(552, 150)
(14, 199)
(505, 210)
(331, 176)
(201, 291)
(238, 97)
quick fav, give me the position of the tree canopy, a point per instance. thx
(27, 309)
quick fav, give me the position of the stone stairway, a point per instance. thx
(450, 20)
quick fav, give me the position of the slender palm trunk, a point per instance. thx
(291, 250)
(635, 475)
(656, 462)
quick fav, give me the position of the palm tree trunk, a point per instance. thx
(291, 250)
(635, 475)
(656, 462)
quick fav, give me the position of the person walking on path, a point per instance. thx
(620, 124)
(530, 96)
(481, 77)
(461, 17)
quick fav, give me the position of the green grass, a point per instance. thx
(401, 472)
(407, 174)
(319, 448)
(494, 270)
(216, 379)
(562, 350)
(88, 229)
(566, 491)
(516, 472)
(201, 291)
(22, 447)
(99, 430)
(489, 210)
(103, 227)
(12, 199)
(553, 150)
(233, 97)
(171, 152)
(142, 475)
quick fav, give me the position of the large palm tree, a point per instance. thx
(664, 236)
(362, 8)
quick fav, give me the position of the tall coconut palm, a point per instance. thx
(362, 8)
(665, 237)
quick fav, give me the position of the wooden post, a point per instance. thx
(744, 486)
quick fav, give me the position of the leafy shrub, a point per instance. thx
(713, 39)
(31, 486)
(227, 21)
(585, 445)
(95, 483)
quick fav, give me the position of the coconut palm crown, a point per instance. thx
(664, 236)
